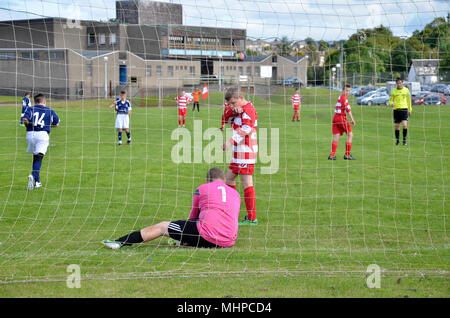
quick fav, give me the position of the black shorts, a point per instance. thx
(186, 232)
(400, 115)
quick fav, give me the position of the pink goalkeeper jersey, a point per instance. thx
(216, 206)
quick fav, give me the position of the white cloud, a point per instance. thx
(297, 19)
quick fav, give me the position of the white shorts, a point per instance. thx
(37, 142)
(123, 121)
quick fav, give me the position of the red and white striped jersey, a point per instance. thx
(295, 99)
(342, 106)
(228, 115)
(182, 101)
(244, 136)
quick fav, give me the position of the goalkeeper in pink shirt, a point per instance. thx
(213, 221)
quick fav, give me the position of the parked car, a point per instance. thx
(433, 99)
(422, 97)
(382, 90)
(425, 88)
(376, 99)
(367, 89)
(291, 81)
(419, 99)
(355, 91)
(447, 90)
(359, 99)
(439, 88)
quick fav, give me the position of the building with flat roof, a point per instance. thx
(136, 52)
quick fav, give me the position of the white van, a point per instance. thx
(414, 87)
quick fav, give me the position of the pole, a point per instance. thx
(106, 76)
(341, 62)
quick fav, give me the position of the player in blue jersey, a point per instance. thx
(38, 119)
(25, 103)
(123, 109)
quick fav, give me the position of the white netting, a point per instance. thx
(316, 217)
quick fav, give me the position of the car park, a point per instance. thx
(376, 99)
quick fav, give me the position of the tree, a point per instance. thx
(402, 56)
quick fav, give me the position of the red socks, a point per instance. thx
(250, 202)
(293, 118)
(348, 148)
(184, 120)
(334, 145)
(179, 122)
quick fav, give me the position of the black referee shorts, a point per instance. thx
(400, 115)
(186, 232)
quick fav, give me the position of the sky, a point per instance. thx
(328, 20)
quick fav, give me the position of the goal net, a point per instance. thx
(316, 217)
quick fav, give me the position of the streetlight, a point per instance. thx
(339, 75)
(220, 72)
(334, 75)
(106, 76)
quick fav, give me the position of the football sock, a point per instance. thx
(184, 120)
(129, 135)
(120, 135)
(397, 135)
(250, 202)
(131, 238)
(293, 116)
(232, 186)
(348, 148)
(179, 122)
(37, 162)
(334, 145)
(405, 132)
(298, 116)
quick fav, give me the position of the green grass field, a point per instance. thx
(321, 223)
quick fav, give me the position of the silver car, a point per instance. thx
(376, 99)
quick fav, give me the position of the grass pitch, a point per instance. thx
(321, 223)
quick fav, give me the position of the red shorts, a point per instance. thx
(296, 107)
(182, 112)
(341, 125)
(241, 168)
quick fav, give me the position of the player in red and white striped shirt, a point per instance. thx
(296, 104)
(245, 150)
(341, 125)
(227, 116)
(182, 102)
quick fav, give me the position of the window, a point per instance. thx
(112, 38)
(133, 80)
(102, 39)
(257, 71)
(241, 70)
(122, 55)
(89, 70)
(29, 55)
(55, 55)
(222, 70)
(249, 70)
(91, 39)
(192, 70)
(169, 70)
(158, 70)
(185, 67)
(7, 56)
(176, 68)
(148, 71)
(295, 71)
